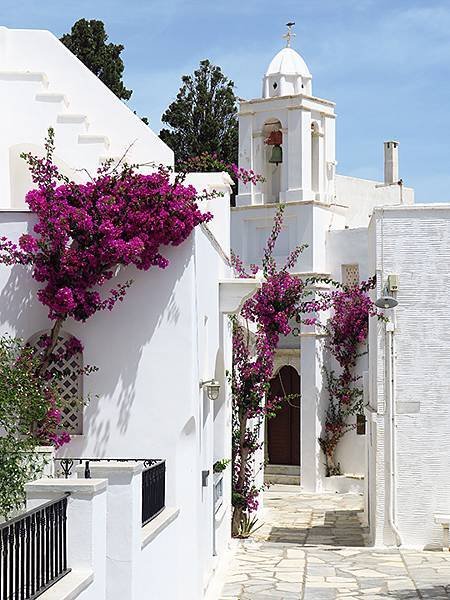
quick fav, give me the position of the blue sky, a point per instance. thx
(385, 63)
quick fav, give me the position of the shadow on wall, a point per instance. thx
(115, 341)
(20, 309)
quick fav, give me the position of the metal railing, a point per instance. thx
(153, 480)
(153, 491)
(64, 466)
(33, 551)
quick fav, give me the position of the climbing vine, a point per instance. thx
(346, 331)
(281, 297)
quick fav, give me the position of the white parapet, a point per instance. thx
(124, 526)
(86, 526)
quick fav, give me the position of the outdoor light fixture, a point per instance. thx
(212, 388)
(386, 302)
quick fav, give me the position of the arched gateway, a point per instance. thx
(283, 430)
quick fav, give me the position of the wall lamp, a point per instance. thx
(212, 388)
(386, 302)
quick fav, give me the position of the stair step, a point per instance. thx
(24, 76)
(282, 470)
(89, 138)
(72, 118)
(283, 479)
(53, 97)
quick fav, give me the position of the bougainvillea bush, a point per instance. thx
(281, 299)
(270, 309)
(86, 232)
(346, 331)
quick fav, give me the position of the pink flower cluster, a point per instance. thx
(48, 431)
(84, 231)
(349, 323)
(247, 176)
(347, 329)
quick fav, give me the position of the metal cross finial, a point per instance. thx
(289, 34)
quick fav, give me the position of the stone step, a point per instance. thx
(282, 469)
(90, 138)
(53, 97)
(72, 118)
(282, 479)
(33, 76)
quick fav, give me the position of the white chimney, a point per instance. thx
(391, 162)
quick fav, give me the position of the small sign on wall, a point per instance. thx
(361, 424)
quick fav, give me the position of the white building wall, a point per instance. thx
(361, 196)
(348, 247)
(45, 85)
(152, 351)
(413, 243)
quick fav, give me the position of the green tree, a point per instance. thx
(203, 118)
(88, 41)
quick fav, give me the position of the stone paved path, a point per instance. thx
(311, 547)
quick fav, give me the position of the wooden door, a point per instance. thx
(283, 430)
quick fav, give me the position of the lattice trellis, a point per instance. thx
(350, 275)
(69, 383)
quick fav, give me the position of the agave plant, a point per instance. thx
(248, 526)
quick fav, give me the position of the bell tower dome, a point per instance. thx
(286, 75)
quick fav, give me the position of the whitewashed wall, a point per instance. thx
(43, 84)
(347, 247)
(413, 243)
(152, 351)
(361, 196)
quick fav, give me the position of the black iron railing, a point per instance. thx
(153, 480)
(64, 467)
(33, 551)
(153, 491)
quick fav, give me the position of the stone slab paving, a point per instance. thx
(311, 547)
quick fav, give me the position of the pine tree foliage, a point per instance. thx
(88, 41)
(203, 118)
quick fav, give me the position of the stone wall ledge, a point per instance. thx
(158, 524)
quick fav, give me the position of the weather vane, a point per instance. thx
(289, 34)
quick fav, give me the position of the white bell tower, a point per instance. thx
(288, 136)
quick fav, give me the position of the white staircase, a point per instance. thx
(284, 474)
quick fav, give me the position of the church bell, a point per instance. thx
(277, 155)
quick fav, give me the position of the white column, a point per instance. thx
(299, 156)
(124, 525)
(330, 157)
(313, 407)
(86, 524)
(259, 166)
(244, 197)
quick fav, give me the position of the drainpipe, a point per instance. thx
(390, 405)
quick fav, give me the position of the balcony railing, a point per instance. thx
(153, 490)
(33, 551)
(153, 480)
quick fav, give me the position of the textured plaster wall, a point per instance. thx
(414, 243)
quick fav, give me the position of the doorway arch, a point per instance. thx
(283, 430)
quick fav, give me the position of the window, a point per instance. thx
(350, 275)
(69, 382)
